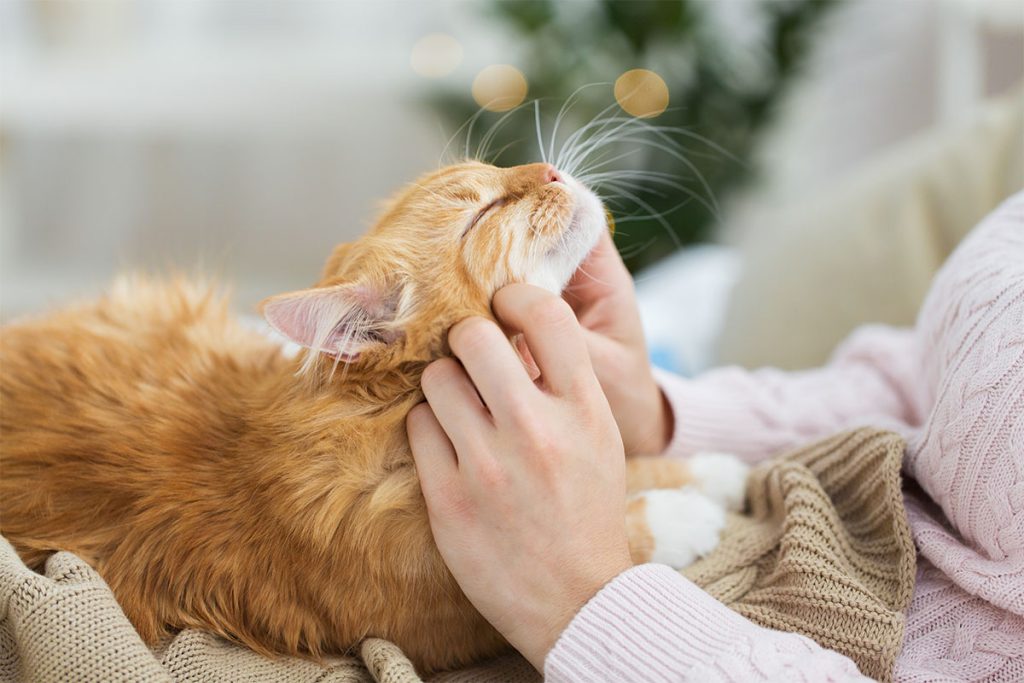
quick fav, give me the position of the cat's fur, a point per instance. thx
(217, 484)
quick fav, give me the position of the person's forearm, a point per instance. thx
(651, 624)
(755, 414)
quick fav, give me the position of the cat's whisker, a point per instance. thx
(698, 138)
(627, 130)
(487, 107)
(639, 181)
(600, 122)
(563, 111)
(638, 249)
(602, 161)
(568, 146)
(617, 136)
(587, 174)
(712, 204)
(590, 276)
(540, 137)
(675, 150)
(656, 216)
(469, 122)
(653, 214)
(483, 148)
(631, 121)
(643, 188)
(628, 172)
(588, 141)
(586, 144)
(494, 160)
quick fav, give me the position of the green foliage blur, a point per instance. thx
(723, 92)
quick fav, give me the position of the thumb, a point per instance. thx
(602, 350)
(601, 274)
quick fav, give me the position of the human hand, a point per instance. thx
(603, 297)
(525, 489)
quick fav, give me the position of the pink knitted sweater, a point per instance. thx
(954, 387)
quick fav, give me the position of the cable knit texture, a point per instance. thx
(953, 387)
(65, 626)
(825, 550)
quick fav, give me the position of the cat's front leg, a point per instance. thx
(677, 510)
(719, 476)
(672, 526)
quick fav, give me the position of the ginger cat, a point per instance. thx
(217, 484)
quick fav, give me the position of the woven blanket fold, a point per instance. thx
(825, 551)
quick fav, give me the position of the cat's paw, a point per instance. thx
(721, 477)
(684, 524)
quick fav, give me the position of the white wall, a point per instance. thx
(240, 137)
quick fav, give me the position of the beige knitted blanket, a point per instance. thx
(824, 551)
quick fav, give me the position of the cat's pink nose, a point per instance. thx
(551, 175)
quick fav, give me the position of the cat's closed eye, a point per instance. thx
(483, 212)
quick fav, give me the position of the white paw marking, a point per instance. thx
(721, 477)
(685, 525)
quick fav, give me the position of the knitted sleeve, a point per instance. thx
(870, 381)
(955, 387)
(650, 624)
(968, 455)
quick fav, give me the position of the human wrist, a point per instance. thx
(653, 424)
(542, 635)
(665, 426)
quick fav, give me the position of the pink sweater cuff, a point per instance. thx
(707, 419)
(648, 624)
(754, 415)
(651, 624)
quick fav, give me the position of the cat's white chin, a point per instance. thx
(588, 221)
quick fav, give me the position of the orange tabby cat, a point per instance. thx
(217, 484)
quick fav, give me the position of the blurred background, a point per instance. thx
(823, 156)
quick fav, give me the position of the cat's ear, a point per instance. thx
(339, 320)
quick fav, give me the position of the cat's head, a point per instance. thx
(443, 246)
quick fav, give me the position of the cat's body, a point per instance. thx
(213, 489)
(217, 484)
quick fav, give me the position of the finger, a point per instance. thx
(601, 274)
(455, 402)
(491, 363)
(601, 350)
(435, 457)
(529, 364)
(552, 333)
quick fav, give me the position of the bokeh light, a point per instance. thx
(641, 93)
(436, 55)
(499, 87)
